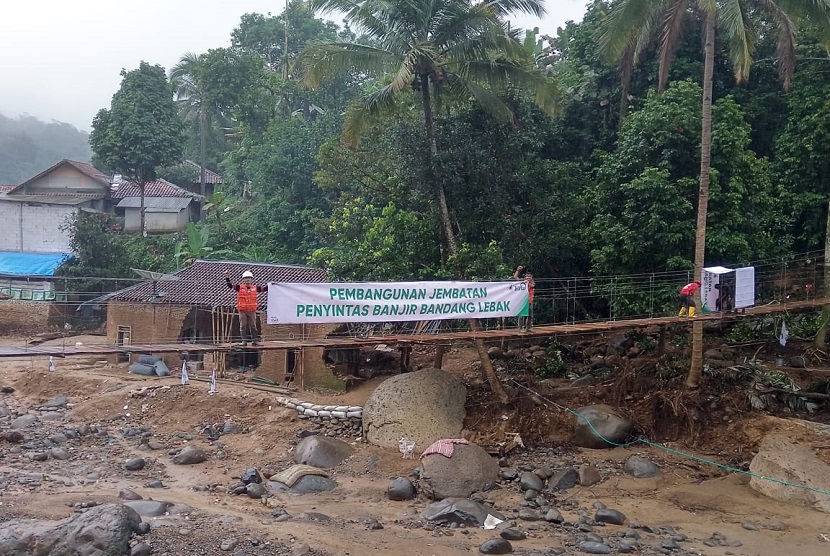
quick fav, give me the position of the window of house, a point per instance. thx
(124, 338)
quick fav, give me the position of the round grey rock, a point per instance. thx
(554, 516)
(596, 425)
(564, 479)
(321, 451)
(135, 464)
(531, 481)
(496, 546)
(59, 454)
(189, 456)
(23, 421)
(640, 468)
(127, 494)
(255, 490)
(470, 469)
(614, 517)
(141, 549)
(592, 547)
(400, 488)
(513, 534)
(251, 475)
(148, 508)
(422, 406)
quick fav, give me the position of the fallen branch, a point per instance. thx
(799, 393)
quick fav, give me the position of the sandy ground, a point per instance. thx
(695, 499)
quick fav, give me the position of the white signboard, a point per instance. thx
(293, 303)
(744, 287)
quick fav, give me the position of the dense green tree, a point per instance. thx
(141, 130)
(632, 23)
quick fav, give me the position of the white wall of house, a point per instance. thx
(34, 227)
(64, 180)
(156, 221)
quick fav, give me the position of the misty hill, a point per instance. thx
(29, 146)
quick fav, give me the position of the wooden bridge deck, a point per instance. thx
(540, 331)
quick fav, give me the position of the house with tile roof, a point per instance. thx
(194, 305)
(167, 207)
(34, 213)
(212, 179)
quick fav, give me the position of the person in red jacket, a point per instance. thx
(687, 298)
(246, 304)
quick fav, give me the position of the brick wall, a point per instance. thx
(24, 317)
(155, 324)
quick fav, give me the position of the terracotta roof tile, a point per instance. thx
(203, 283)
(210, 177)
(158, 188)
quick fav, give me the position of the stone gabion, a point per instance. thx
(335, 419)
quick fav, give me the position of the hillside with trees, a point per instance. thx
(28, 146)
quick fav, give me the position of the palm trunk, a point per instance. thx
(449, 236)
(821, 335)
(696, 367)
(202, 149)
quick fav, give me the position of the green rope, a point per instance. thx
(672, 450)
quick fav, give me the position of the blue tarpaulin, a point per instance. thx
(30, 264)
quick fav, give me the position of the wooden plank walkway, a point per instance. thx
(541, 331)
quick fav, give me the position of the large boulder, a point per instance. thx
(101, 531)
(422, 406)
(782, 459)
(470, 469)
(321, 451)
(594, 423)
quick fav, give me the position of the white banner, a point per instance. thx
(292, 303)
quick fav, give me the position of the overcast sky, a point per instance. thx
(60, 60)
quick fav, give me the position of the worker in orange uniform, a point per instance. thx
(526, 323)
(687, 298)
(246, 305)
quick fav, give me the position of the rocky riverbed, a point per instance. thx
(210, 475)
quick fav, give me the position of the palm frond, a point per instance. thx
(489, 102)
(463, 25)
(321, 60)
(626, 23)
(735, 24)
(366, 110)
(505, 8)
(785, 44)
(500, 74)
(672, 29)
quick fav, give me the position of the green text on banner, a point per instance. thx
(293, 303)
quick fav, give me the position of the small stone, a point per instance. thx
(143, 528)
(231, 428)
(564, 479)
(749, 526)
(13, 437)
(23, 421)
(592, 547)
(135, 464)
(59, 454)
(496, 546)
(51, 416)
(529, 514)
(58, 438)
(39, 456)
(141, 549)
(614, 517)
(154, 484)
(400, 488)
(640, 468)
(184, 531)
(127, 494)
(251, 475)
(228, 545)
(372, 524)
(255, 490)
(301, 550)
(670, 544)
(513, 534)
(509, 475)
(531, 481)
(189, 455)
(627, 546)
(554, 516)
(589, 476)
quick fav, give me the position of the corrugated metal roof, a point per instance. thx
(203, 283)
(158, 188)
(156, 204)
(49, 199)
(210, 177)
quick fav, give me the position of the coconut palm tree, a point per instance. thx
(463, 49)
(190, 96)
(632, 24)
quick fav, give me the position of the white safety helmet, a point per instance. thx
(247, 274)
